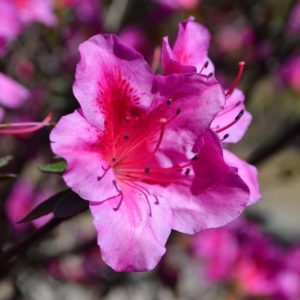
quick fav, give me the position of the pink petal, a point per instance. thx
(10, 24)
(198, 99)
(132, 231)
(108, 75)
(234, 104)
(12, 94)
(247, 172)
(88, 173)
(212, 195)
(37, 10)
(179, 4)
(172, 64)
(190, 48)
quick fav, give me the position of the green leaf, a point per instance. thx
(5, 160)
(45, 207)
(57, 167)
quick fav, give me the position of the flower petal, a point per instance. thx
(190, 48)
(247, 172)
(87, 173)
(110, 79)
(198, 99)
(234, 105)
(12, 94)
(211, 196)
(132, 231)
(172, 64)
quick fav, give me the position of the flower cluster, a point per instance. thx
(145, 149)
(241, 255)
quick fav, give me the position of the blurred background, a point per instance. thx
(254, 257)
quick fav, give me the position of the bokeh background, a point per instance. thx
(255, 257)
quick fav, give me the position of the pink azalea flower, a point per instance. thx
(36, 11)
(290, 72)
(12, 94)
(135, 38)
(243, 256)
(10, 24)
(179, 4)
(15, 15)
(86, 10)
(231, 39)
(22, 199)
(219, 250)
(141, 151)
(189, 55)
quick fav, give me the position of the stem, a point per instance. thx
(274, 143)
(22, 246)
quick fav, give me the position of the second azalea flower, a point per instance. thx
(141, 151)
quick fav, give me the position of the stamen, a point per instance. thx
(133, 172)
(240, 114)
(32, 126)
(135, 186)
(169, 102)
(127, 119)
(105, 171)
(163, 122)
(226, 136)
(229, 109)
(187, 171)
(237, 79)
(126, 136)
(204, 66)
(178, 111)
(211, 74)
(195, 157)
(120, 193)
(125, 177)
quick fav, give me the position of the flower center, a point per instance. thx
(134, 161)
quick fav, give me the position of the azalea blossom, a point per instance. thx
(289, 72)
(12, 93)
(15, 15)
(242, 255)
(190, 55)
(179, 4)
(30, 11)
(86, 10)
(23, 197)
(141, 151)
(10, 24)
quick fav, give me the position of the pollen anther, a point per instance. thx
(187, 171)
(195, 157)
